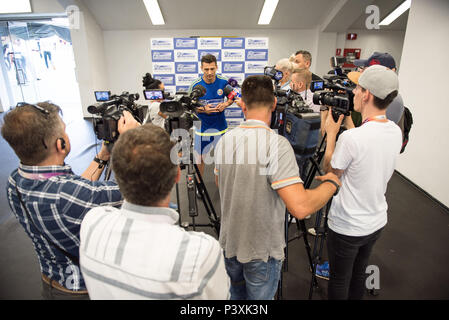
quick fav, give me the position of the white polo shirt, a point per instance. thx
(367, 155)
(140, 252)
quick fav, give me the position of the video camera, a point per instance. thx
(334, 91)
(108, 111)
(294, 119)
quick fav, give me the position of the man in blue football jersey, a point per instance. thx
(211, 114)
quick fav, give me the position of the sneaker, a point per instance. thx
(322, 271)
(312, 231)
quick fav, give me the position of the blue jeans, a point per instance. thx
(255, 280)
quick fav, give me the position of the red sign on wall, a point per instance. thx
(351, 55)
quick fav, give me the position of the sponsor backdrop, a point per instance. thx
(176, 62)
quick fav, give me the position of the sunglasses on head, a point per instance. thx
(35, 106)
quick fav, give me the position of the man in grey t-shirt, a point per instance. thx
(257, 176)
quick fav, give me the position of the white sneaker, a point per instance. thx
(308, 217)
(312, 231)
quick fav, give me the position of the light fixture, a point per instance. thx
(154, 11)
(267, 11)
(396, 13)
(16, 6)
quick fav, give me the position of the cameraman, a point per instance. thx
(303, 59)
(213, 121)
(140, 251)
(254, 193)
(286, 67)
(301, 79)
(154, 112)
(365, 159)
(45, 190)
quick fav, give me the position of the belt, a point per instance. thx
(54, 284)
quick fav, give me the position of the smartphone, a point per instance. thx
(153, 94)
(101, 96)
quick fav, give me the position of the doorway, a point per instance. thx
(38, 64)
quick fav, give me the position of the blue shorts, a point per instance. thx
(205, 144)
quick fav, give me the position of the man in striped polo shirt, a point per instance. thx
(211, 114)
(140, 251)
(258, 177)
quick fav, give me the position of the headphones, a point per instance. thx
(62, 143)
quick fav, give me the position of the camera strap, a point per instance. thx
(72, 258)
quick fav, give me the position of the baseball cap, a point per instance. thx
(384, 59)
(379, 80)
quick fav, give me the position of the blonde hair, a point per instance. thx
(304, 74)
(285, 65)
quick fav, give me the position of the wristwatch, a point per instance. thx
(335, 184)
(101, 163)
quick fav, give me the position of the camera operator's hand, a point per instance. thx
(331, 127)
(127, 122)
(349, 124)
(104, 153)
(329, 176)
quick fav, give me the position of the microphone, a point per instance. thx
(231, 93)
(198, 92)
(233, 83)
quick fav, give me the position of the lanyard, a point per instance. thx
(381, 118)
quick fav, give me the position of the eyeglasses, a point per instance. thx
(35, 106)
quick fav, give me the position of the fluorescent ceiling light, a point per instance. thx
(396, 13)
(267, 11)
(16, 6)
(154, 11)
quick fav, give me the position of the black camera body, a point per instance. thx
(334, 91)
(181, 109)
(109, 112)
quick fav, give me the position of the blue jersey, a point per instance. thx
(214, 95)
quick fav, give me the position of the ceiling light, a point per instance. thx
(396, 13)
(154, 11)
(267, 11)
(16, 6)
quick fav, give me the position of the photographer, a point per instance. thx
(258, 177)
(48, 199)
(365, 159)
(286, 67)
(140, 251)
(213, 121)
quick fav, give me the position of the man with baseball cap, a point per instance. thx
(364, 158)
(396, 107)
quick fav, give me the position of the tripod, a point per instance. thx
(315, 257)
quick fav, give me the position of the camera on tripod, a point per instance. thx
(334, 91)
(108, 111)
(294, 119)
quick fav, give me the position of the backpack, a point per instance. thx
(405, 124)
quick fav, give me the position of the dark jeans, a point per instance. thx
(50, 293)
(348, 259)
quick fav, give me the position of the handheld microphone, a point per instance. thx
(231, 93)
(233, 83)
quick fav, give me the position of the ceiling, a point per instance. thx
(335, 15)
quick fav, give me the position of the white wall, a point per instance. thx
(128, 52)
(423, 86)
(369, 41)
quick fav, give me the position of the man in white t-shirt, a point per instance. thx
(364, 158)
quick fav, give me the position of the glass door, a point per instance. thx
(39, 63)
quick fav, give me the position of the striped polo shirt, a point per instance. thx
(252, 162)
(139, 252)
